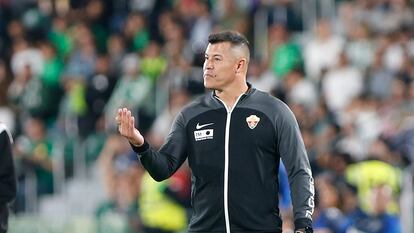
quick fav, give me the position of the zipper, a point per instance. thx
(226, 162)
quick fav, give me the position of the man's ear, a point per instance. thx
(241, 65)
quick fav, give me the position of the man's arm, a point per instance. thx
(294, 156)
(160, 164)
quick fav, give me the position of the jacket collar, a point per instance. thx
(249, 91)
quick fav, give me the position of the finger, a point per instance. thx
(132, 125)
(119, 119)
(128, 123)
(123, 115)
(125, 121)
(118, 114)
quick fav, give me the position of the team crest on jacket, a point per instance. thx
(252, 121)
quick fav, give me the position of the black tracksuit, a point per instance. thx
(234, 158)
(7, 177)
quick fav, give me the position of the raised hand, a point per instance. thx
(126, 127)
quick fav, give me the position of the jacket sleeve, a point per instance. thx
(7, 176)
(293, 153)
(163, 163)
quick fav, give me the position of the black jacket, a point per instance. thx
(7, 177)
(234, 158)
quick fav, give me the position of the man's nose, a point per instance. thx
(208, 65)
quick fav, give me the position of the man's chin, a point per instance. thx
(208, 86)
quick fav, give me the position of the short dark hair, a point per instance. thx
(235, 38)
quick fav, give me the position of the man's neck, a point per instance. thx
(230, 96)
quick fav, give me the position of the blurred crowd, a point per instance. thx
(66, 67)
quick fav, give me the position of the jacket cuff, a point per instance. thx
(302, 223)
(140, 149)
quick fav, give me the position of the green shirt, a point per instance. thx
(141, 40)
(51, 71)
(285, 58)
(62, 43)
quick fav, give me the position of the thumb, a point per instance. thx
(137, 138)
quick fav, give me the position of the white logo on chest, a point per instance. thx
(198, 126)
(204, 134)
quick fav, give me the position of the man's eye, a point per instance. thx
(216, 59)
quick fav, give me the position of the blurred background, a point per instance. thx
(346, 69)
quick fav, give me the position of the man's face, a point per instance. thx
(219, 66)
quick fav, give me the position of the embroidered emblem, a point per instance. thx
(252, 121)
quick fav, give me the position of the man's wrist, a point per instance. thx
(135, 144)
(140, 149)
(303, 224)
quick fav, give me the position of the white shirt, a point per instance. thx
(321, 54)
(340, 86)
(31, 57)
(304, 92)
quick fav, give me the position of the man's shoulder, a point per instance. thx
(199, 105)
(194, 104)
(274, 108)
(268, 102)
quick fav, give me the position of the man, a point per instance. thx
(233, 139)
(7, 177)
